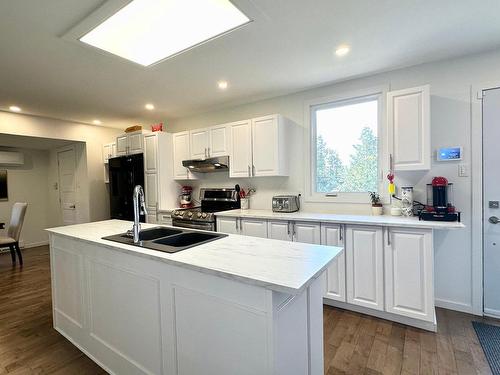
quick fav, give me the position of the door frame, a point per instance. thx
(75, 151)
(477, 227)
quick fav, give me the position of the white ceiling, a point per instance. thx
(289, 46)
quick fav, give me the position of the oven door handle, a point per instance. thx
(190, 225)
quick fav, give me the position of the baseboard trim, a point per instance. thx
(492, 313)
(428, 326)
(456, 306)
(23, 246)
(35, 244)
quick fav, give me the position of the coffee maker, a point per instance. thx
(185, 199)
(439, 206)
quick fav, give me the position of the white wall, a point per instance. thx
(29, 183)
(451, 83)
(93, 136)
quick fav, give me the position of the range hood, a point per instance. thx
(207, 165)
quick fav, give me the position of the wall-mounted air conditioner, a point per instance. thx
(11, 158)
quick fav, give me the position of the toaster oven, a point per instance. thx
(286, 203)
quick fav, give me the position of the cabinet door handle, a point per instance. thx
(341, 235)
(293, 229)
(253, 170)
(388, 237)
(288, 227)
(208, 152)
(249, 172)
(236, 224)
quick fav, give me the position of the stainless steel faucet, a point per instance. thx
(139, 209)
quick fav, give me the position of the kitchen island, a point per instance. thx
(236, 305)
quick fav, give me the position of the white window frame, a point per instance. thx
(311, 195)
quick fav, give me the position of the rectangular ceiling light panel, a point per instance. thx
(147, 31)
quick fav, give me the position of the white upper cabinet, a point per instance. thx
(130, 143)
(181, 151)
(365, 266)
(200, 142)
(218, 141)
(240, 156)
(150, 153)
(333, 235)
(135, 142)
(108, 152)
(409, 260)
(270, 136)
(209, 142)
(408, 120)
(121, 145)
(258, 147)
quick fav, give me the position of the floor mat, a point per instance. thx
(489, 337)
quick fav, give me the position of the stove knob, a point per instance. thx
(198, 214)
(204, 215)
(190, 214)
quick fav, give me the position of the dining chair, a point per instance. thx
(14, 231)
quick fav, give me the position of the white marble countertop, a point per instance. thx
(283, 266)
(385, 220)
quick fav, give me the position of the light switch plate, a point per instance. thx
(463, 170)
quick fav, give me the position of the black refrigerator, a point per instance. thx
(125, 172)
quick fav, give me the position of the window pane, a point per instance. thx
(347, 147)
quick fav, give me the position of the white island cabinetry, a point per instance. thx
(224, 307)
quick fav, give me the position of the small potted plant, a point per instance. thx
(377, 208)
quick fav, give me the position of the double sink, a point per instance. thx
(167, 240)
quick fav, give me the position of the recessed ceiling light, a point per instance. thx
(97, 122)
(15, 108)
(149, 106)
(342, 50)
(147, 31)
(222, 85)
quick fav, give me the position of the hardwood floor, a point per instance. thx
(360, 344)
(354, 343)
(28, 343)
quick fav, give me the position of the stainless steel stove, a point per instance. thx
(203, 217)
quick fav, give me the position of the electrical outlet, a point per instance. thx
(463, 170)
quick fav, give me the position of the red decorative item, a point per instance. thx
(157, 127)
(439, 181)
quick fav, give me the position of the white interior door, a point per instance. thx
(66, 162)
(491, 197)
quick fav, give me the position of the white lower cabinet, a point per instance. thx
(364, 249)
(385, 269)
(279, 230)
(253, 227)
(246, 227)
(228, 225)
(306, 232)
(333, 235)
(409, 273)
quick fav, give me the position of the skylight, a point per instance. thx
(147, 31)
